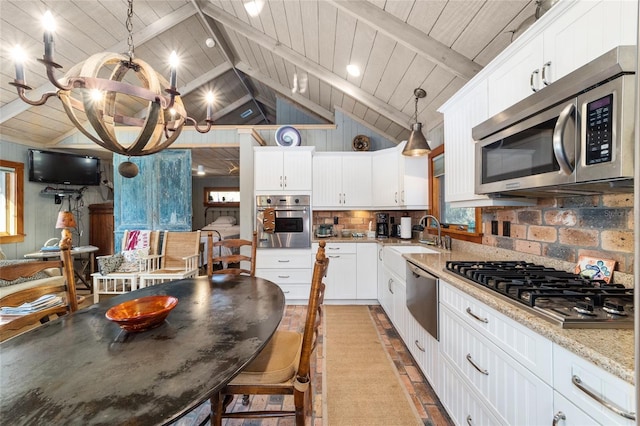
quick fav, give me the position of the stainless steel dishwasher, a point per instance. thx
(422, 298)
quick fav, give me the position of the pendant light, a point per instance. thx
(417, 144)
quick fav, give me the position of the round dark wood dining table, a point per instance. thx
(83, 369)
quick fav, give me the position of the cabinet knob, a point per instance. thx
(559, 416)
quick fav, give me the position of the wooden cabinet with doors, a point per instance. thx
(158, 198)
(101, 228)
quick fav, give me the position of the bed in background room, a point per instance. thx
(223, 223)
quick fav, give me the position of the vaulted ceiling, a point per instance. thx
(297, 50)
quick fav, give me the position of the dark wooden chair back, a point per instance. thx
(27, 269)
(258, 379)
(234, 245)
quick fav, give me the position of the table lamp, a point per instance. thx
(66, 220)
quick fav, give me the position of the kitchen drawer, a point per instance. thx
(274, 258)
(567, 365)
(462, 404)
(527, 347)
(336, 248)
(285, 276)
(567, 414)
(296, 291)
(515, 394)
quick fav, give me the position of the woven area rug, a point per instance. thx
(360, 383)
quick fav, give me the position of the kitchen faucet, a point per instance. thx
(429, 216)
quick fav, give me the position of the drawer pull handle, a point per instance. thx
(389, 285)
(283, 261)
(559, 416)
(611, 406)
(333, 248)
(469, 420)
(286, 291)
(484, 320)
(333, 256)
(284, 276)
(420, 347)
(472, 362)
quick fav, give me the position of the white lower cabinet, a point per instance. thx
(567, 413)
(351, 275)
(462, 403)
(289, 268)
(424, 348)
(512, 392)
(600, 395)
(366, 273)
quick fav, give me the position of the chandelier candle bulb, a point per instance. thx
(209, 106)
(49, 26)
(173, 79)
(18, 58)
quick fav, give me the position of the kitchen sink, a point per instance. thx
(393, 260)
(413, 249)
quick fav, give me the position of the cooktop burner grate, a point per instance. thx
(563, 297)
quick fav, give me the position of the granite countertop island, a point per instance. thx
(610, 349)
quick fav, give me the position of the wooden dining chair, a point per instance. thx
(283, 367)
(229, 253)
(178, 259)
(67, 289)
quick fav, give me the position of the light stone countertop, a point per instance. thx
(610, 349)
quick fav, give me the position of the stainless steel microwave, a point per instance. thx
(580, 144)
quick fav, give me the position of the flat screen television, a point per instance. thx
(61, 168)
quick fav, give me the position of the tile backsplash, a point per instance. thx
(566, 228)
(358, 220)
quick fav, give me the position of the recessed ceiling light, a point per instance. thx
(254, 7)
(210, 42)
(353, 70)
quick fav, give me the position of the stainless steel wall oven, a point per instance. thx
(283, 221)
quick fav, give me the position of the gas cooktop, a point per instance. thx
(561, 297)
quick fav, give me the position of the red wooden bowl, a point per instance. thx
(143, 313)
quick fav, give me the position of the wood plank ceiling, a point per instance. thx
(398, 45)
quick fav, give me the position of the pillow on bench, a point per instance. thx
(127, 261)
(37, 276)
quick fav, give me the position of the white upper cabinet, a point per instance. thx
(570, 35)
(414, 175)
(283, 169)
(385, 178)
(342, 180)
(400, 181)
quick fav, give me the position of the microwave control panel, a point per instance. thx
(598, 130)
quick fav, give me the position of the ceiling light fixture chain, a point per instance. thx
(129, 26)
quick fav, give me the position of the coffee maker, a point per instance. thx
(382, 225)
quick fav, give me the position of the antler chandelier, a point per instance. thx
(96, 87)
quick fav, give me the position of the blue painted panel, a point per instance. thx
(159, 197)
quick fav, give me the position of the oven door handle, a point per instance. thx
(558, 141)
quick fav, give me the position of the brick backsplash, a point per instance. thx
(358, 220)
(566, 228)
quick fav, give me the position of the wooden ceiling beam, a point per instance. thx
(410, 37)
(285, 91)
(305, 64)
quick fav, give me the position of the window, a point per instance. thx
(11, 202)
(459, 222)
(222, 197)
